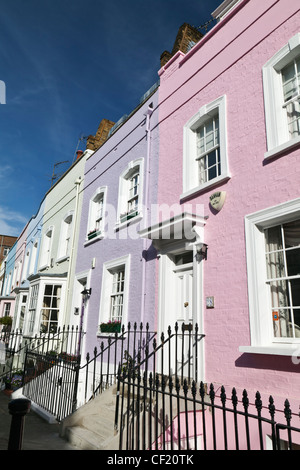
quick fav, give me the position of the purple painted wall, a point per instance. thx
(128, 143)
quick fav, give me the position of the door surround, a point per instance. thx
(181, 234)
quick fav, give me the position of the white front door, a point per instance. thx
(184, 317)
(183, 292)
(180, 300)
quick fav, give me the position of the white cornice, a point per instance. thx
(224, 8)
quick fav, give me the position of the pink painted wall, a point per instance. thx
(229, 62)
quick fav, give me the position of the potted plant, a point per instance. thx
(13, 382)
(6, 321)
(16, 381)
(128, 215)
(67, 357)
(110, 327)
(93, 233)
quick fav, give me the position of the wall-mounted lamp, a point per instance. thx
(202, 250)
(87, 291)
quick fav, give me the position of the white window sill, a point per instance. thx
(276, 350)
(120, 225)
(92, 240)
(205, 186)
(108, 334)
(44, 267)
(63, 258)
(276, 151)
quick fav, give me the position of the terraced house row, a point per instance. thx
(187, 211)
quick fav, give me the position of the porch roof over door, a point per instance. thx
(184, 227)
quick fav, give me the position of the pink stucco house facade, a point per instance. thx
(229, 167)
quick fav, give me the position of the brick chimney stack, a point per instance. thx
(187, 36)
(95, 141)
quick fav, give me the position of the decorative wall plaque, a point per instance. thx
(217, 200)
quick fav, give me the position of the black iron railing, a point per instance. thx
(46, 366)
(50, 381)
(159, 405)
(57, 380)
(100, 369)
(159, 413)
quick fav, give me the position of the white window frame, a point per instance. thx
(278, 138)
(45, 258)
(134, 167)
(32, 314)
(66, 235)
(33, 256)
(25, 265)
(191, 182)
(109, 268)
(8, 284)
(261, 329)
(7, 309)
(92, 229)
(50, 308)
(16, 275)
(5, 250)
(21, 310)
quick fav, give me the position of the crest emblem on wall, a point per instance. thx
(217, 200)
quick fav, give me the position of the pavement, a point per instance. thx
(38, 433)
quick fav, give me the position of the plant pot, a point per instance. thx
(93, 235)
(110, 328)
(128, 216)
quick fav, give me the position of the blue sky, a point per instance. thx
(66, 65)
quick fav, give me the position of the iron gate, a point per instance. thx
(54, 387)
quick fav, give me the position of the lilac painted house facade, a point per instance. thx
(114, 264)
(231, 170)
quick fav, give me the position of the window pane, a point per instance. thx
(217, 132)
(282, 323)
(50, 311)
(295, 290)
(212, 164)
(201, 142)
(202, 170)
(46, 301)
(279, 294)
(212, 159)
(48, 289)
(289, 82)
(293, 116)
(275, 265)
(212, 173)
(116, 303)
(286, 323)
(54, 316)
(292, 234)
(273, 239)
(210, 135)
(296, 323)
(293, 262)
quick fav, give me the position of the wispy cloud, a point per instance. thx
(5, 171)
(11, 222)
(25, 96)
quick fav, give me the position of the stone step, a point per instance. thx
(101, 425)
(82, 438)
(91, 427)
